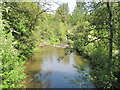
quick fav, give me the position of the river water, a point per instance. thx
(44, 70)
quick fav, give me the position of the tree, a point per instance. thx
(11, 66)
(22, 17)
(62, 12)
(95, 37)
(104, 31)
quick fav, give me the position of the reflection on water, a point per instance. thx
(45, 71)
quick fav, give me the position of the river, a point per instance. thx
(44, 70)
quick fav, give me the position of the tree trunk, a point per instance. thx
(110, 33)
(119, 34)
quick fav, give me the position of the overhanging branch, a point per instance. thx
(86, 43)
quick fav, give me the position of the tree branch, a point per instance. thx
(36, 17)
(86, 43)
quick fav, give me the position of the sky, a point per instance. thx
(71, 4)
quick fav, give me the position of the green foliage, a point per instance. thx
(11, 65)
(50, 30)
(16, 42)
(54, 41)
(100, 69)
(70, 42)
(91, 36)
(62, 12)
(21, 21)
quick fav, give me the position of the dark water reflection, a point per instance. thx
(45, 71)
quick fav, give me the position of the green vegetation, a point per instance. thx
(52, 28)
(92, 29)
(96, 36)
(11, 64)
(16, 44)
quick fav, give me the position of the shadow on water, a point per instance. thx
(45, 71)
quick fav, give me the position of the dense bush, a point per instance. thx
(95, 41)
(10, 64)
(16, 44)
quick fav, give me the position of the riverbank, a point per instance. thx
(64, 45)
(61, 45)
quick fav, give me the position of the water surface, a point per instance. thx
(44, 70)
